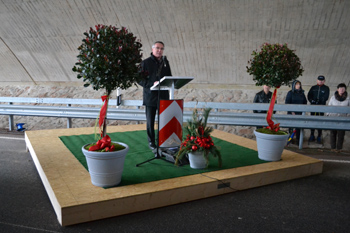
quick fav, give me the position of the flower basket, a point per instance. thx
(198, 139)
(106, 168)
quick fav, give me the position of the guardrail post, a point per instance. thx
(69, 120)
(119, 98)
(215, 126)
(138, 107)
(11, 124)
(301, 137)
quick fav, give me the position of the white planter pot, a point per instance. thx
(197, 160)
(106, 168)
(270, 146)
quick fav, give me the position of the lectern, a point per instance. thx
(171, 83)
(170, 115)
(170, 112)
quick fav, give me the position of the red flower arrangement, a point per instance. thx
(198, 138)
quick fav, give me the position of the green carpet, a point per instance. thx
(232, 156)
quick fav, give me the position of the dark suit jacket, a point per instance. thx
(156, 70)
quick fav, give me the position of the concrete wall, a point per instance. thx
(208, 39)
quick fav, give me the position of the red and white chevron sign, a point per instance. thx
(170, 123)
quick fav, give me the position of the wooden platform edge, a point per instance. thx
(44, 179)
(122, 206)
(184, 189)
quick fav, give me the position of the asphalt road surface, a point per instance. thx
(319, 203)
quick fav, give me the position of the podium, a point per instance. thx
(170, 117)
(171, 83)
(170, 112)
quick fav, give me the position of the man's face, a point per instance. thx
(157, 50)
(266, 88)
(320, 82)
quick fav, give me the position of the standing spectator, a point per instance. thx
(263, 96)
(318, 95)
(340, 98)
(296, 96)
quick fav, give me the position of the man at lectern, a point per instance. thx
(156, 66)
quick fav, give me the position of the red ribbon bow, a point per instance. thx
(104, 143)
(274, 127)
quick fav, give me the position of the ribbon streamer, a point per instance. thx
(103, 110)
(272, 126)
(105, 142)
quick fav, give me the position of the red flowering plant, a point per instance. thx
(198, 138)
(274, 65)
(109, 58)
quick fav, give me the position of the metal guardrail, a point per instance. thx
(222, 114)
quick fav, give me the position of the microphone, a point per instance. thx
(164, 58)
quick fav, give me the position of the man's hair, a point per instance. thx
(157, 42)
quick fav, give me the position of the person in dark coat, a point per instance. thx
(156, 67)
(261, 97)
(318, 95)
(296, 96)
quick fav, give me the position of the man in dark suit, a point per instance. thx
(156, 67)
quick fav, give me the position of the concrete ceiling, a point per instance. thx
(210, 40)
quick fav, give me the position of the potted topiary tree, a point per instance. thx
(109, 58)
(274, 65)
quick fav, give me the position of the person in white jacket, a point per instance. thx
(340, 98)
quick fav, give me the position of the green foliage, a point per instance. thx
(269, 131)
(198, 123)
(109, 58)
(274, 65)
(198, 137)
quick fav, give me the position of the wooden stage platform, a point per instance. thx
(75, 200)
